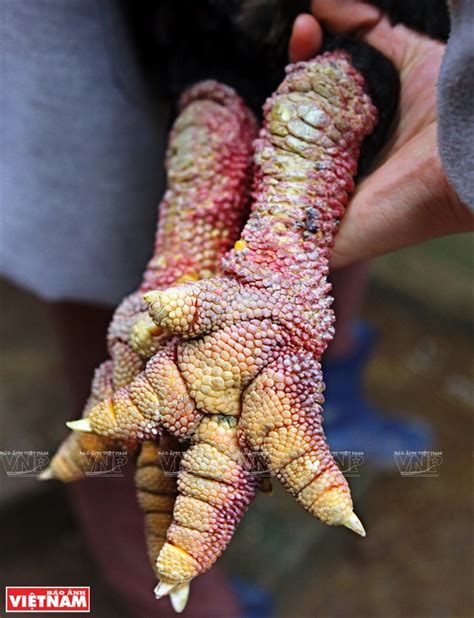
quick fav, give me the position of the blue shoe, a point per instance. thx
(352, 424)
(256, 603)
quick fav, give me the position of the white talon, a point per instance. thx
(162, 589)
(82, 424)
(354, 524)
(179, 597)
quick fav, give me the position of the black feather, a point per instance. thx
(428, 16)
(244, 44)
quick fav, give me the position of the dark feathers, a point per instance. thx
(244, 44)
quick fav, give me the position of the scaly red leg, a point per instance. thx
(200, 217)
(251, 340)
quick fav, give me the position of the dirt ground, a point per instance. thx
(416, 560)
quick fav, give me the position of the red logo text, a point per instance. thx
(46, 599)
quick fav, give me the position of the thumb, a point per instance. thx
(306, 38)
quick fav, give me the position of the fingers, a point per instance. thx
(404, 202)
(281, 419)
(306, 38)
(212, 499)
(338, 16)
(132, 338)
(335, 16)
(368, 22)
(124, 317)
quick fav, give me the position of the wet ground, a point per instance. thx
(417, 557)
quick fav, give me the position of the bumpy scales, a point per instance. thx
(208, 166)
(200, 217)
(256, 334)
(242, 375)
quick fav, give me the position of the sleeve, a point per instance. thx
(455, 102)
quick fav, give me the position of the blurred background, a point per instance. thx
(417, 557)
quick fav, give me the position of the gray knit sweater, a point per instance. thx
(456, 102)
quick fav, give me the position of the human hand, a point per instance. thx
(407, 198)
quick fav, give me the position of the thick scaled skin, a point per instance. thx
(156, 491)
(249, 342)
(200, 217)
(214, 490)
